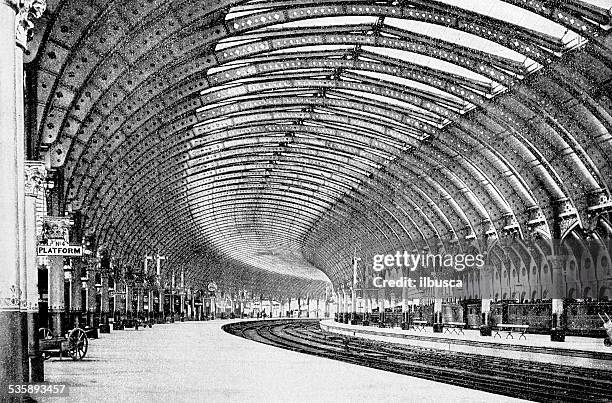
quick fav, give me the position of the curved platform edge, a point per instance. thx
(560, 356)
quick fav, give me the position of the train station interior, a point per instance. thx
(323, 200)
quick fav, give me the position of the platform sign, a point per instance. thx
(59, 248)
(212, 287)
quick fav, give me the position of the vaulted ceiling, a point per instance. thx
(262, 144)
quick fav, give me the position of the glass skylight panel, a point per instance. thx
(358, 96)
(428, 61)
(395, 102)
(380, 153)
(485, 89)
(293, 108)
(511, 14)
(368, 116)
(216, 105)
(369, 59)
(241, 82)
(457, 37)
(365, 161)
(278, 93)
(348, 141)
(218, 88)
(249, 113)
(364, 132)
(300, 71)
(339, 153)
(236, 13)
(269, 58)
(274, 31)
(334, 125)
(230, 42)
(328, 22)
(224, 67)
(604, 4)
(389, 79)
(287, 91)
(313, 48)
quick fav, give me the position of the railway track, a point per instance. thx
(509, 377)
(522, 348)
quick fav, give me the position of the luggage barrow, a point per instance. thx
(74, 344)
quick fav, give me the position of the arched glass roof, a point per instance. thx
(260, 142)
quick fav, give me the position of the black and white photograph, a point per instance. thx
(305, 201)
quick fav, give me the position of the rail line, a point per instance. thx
(596, 355)
(503, 376)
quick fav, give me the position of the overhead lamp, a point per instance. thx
(98, 284)
(67, 272)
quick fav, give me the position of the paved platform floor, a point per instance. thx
(569, 351)
(198, 362)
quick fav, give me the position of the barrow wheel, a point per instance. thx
(44, 333)
(607, 342)
(77, 344)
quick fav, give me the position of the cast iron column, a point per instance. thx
(11, 353)
(35, 176)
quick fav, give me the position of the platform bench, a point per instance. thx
(419, 325)
(506, 327)
(456, 327)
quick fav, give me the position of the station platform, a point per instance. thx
(581, 352)
(198, 361)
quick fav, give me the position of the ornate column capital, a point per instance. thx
(537, 225)
(27, 12)
(35, 174)
(10, 298)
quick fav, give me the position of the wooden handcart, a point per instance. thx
(75, 344)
